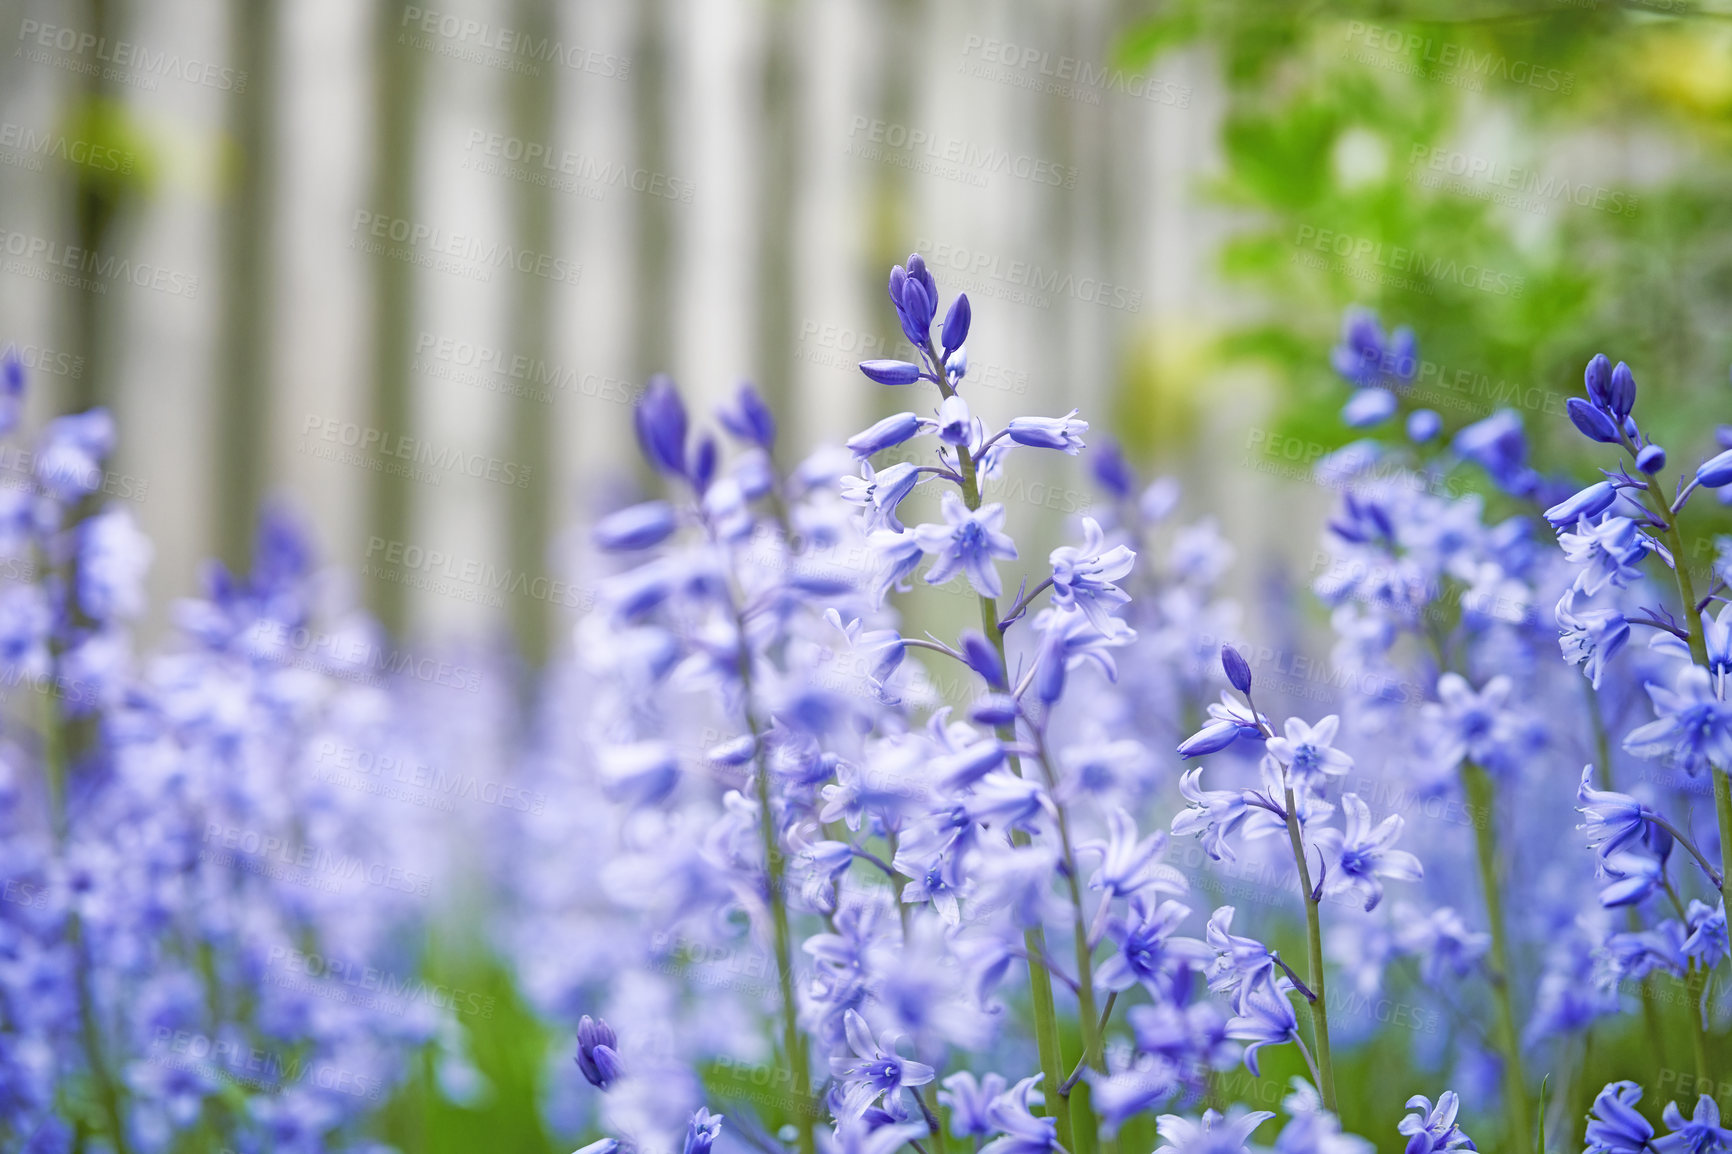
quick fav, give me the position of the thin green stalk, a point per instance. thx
(1314, 950)
(1699, 654)
(1046, 1034)
(1694, 983)
(1482, 796)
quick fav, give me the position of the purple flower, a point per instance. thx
(598, 1052)
(1063, 433)
(970, 1103)
(1590, 637)
(955, 422)
(897, 555)
(1083, 576)
(1068, 638)
(1475, 726)
(1597, 378)
(1609, 551)
(1702, 1134)
(1265, 1018)
(1149, 952)
(703, 1131)
(880, 491)
(1127, 864)
(69, 463)
(1020, 1132)
(967, 542)
(636, 527)
(956, 323)
(1591, 422)
(1214, 1134)
(749, 419)
(1707, 944)
(1211, 814)
(1613, 820)
(1369, 407)
(1308, 751)
(1239, 962)
(660, 420)
(891, 372)
(876, 1071)
(1357, 859)
(1589, 502)
(1694, 728)
(886, 434)
(1615, 1127)
(1433, 1128)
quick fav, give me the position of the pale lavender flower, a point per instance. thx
(967, 542)
(1083, 575)
(876, 1071)
(1694, 727)
(1265, 1018)
(1063, 433)
(1615, 1127)
(1213, 1134)
(1359, 857)
(1308, 751)
(1610, 552)
(1430, 1129)
(1702, 1134)
(879, 492)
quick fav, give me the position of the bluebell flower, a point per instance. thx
(1613, 820)
(855, 1136)
(1499, 446)
(1068, 639)
(1621, 391)
(1715, 472)
(636, 527)
(1308, 751)
(1358, 857)
(1150, 953)
(73, 448)
(703, 1131)
(970, 1102)
(956, 323)
(1368, 407)
(1629, 878)
(897, 555)
(1365, 357)
(1615, 1127)
(1474, 726)
(1597, 379)
(1111, 470)
(876, 1071)
(1610, 552)
(1694, 727)
(955, 422)
(1020, 1132)
(967, 542)
(1589, 637)
(1239, 962)
(890, 372)
(1702, 1134)
(660, 420)
(1211, 815)
(1423, 425)
(1311, 1129)
(1591, 422)
(1433, 1128)
(1265, 1018)
(1062, 433)
(915, 295)
(880, 492)
(1589, 502)
(1439, 937)
(1651, 459)
(884, 434)
(598, 1052)
(1127, 865)
(1228, 721)
(749, 418)
(1120, 1094)
(1707, 944)
(1213, 1134)
(1083, 575)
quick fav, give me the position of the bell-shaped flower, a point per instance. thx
(1359, 857)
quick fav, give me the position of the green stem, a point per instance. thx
(1694, 983)
(1482, 796)
(1046, 1034)
(1314, 951)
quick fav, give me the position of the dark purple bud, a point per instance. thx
(956, 324)
(897, 276)
(916, 313)
(637, 527)
(983, 659)
(1112, 470)
(891, 372)
(1651, 459)
(1590, 502)
(1716, 472)
(1598, 378)
(888, 433)
(918, 271)
(703, 464)
(1212, 738)
(661, 426)
(1593, 423)
(598, 1052)
(1622, 391)
(750, 419)
(994, 709)
(1238, 670)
